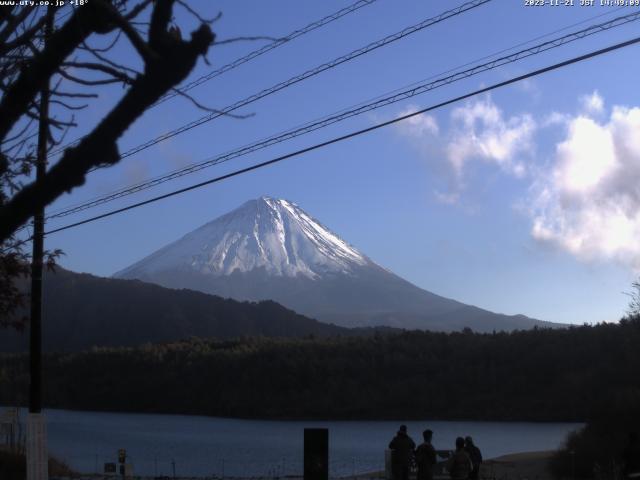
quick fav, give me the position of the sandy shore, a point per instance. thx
(515, 466)
(526, 465)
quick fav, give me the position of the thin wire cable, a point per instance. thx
(499, 52)
(267, 48)
(534, 73)
(309, 73)
(343, 115)
(305, 75)
(356, 133)
(248, 57)
(118, 192)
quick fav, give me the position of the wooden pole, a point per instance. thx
(37, 456)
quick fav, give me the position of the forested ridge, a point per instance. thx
(83, 310)
(537, 375)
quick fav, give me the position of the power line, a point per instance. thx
(356, 133)
(249, 56)
(307, 74)
(363, 108)
(211, 161)
(310, 73)
(499, 52)
(341, 138)
(267, 48)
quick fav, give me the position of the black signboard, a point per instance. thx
(316, 454)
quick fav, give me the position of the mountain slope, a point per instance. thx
(271, 249)
(81, 311)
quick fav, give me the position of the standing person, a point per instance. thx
(459, 464)
(426, 457)
(402, 448)
(475, 456)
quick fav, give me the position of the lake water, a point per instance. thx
(207, 446)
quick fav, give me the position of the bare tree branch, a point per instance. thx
(68, 105)
(115, 65)
(55, 142)
(55, 123)
(74, 95)
(24, 37)
(210, 109)
(172, 61)
(134, 37)
(116, 74)
(84, 45)
(82, 23)
(83, 81)
(19, 134)
(199, 17)
(13, 22)
(135, 11)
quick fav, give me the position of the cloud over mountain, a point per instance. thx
(588, 203)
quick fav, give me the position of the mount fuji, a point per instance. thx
(271, 249)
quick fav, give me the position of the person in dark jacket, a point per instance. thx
(402, 449)
(475, 456)
(459, 464)
(426, 457)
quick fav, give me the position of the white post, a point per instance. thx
(37, 456)
(388, 468)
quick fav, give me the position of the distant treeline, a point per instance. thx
(608, 446)
(537, 375)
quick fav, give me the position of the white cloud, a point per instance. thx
(555, 118)
(419, 125)
(448, 198)
(592, 104)
(481, 132)
(585, 200)
(589, 202)
(477, 131)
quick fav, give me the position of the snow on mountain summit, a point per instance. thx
(268, 233)
(271, 249)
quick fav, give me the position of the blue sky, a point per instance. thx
(521, 201)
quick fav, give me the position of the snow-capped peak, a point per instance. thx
(268, 233)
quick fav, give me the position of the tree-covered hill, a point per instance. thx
(539, 375)
(81, 311)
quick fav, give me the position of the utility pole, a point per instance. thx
(37, 455)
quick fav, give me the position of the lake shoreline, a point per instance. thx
(519, 465)
(320, 418)
(200, 447)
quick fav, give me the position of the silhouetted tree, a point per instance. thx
(28, 65)
(633, 309)
(75, 67)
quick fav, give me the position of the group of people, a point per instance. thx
(462, 464)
